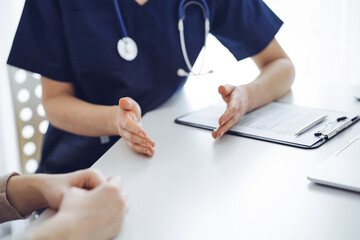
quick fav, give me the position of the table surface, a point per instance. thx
(235, 187)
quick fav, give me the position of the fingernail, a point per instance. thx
(149, 145)
(141, 134)
(148, 152)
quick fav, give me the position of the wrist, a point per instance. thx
(24, 194)
(113, 119)
(246, 98)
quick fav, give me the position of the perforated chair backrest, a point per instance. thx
(30, 117)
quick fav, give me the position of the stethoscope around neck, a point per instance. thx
(128, 49)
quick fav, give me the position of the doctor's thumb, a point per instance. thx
(126, 103)
(226, 90)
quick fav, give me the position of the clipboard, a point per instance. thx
(278, 122)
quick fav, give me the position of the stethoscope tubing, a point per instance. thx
(204, 6)
(127, 43)
(182, 8)
(119, 16)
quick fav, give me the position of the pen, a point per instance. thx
(310, 125)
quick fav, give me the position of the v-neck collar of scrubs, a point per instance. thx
(141, 4)
(138, 5)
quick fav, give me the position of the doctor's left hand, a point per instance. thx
(237, 99)
(128, 123)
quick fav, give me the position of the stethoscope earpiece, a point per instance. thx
(182, 73)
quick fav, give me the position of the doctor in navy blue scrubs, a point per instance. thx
(105, 63)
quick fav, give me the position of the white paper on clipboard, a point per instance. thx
(276, 122)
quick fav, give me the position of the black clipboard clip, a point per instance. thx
(326, 133)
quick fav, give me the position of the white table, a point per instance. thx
(233, 188)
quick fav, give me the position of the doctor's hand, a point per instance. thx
(237, 99)
(128, 123)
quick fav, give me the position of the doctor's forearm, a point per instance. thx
(273, 82)
(79, 117)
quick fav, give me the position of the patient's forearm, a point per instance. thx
(24, 194)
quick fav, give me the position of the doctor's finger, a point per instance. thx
(130, 104)
(224, 128)
(226, 90)
(130, 125)
(141, 149)
(232, 109)
(134, 138)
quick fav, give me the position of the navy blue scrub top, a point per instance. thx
(75, 41)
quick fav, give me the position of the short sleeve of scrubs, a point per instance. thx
(39, 45)
(245, 27)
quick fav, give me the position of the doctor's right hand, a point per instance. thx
(128, 123)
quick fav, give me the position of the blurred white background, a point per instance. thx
(10, 11)
(321, 37)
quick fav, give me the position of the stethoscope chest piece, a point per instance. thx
(127, 49)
